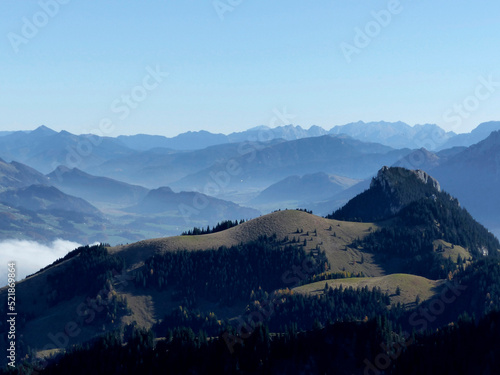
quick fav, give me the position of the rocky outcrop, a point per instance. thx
(390, 191)
(389, 178)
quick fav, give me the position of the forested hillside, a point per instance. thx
(251, 296)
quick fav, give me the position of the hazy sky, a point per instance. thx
(169, 66)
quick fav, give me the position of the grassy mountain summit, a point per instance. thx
(331, 236)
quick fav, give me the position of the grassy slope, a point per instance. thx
(452, 252)
(283, 223)
(149, 305)
(410, 286)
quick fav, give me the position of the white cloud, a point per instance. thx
(30, 256)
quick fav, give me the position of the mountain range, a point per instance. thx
(257, 167)
(393, 134)
(45, 149)
(287, 272)
(44, 208)
(392, 231)
(262, 169)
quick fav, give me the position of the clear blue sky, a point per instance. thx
(230, 71)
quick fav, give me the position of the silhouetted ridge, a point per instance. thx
(391, 190)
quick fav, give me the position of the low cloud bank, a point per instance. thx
(30, 256)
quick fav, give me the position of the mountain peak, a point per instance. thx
(43, 131)
(390, 191)
(162, 191)
(62, 169)
(484, 153)
(493, 140)
(486, 127)
(390, 177)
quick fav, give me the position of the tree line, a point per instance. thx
(219, 227)
(229, 274)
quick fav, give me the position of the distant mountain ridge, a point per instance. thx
(394, 134)
(473, 176)
(306, 188)
(184, 141)
(191, 206)
(481, 132)
(44, 149)
(332, 154)
(67, 204)
(15, 175)
(42, 197)
(262, 156)
(397, 134)
(93, 188)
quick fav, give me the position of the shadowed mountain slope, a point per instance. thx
(94, 188)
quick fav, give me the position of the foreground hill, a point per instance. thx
(421, 214)
(51, 297)
(211, 283)
(332, 236)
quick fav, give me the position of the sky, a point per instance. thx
(166, 67)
